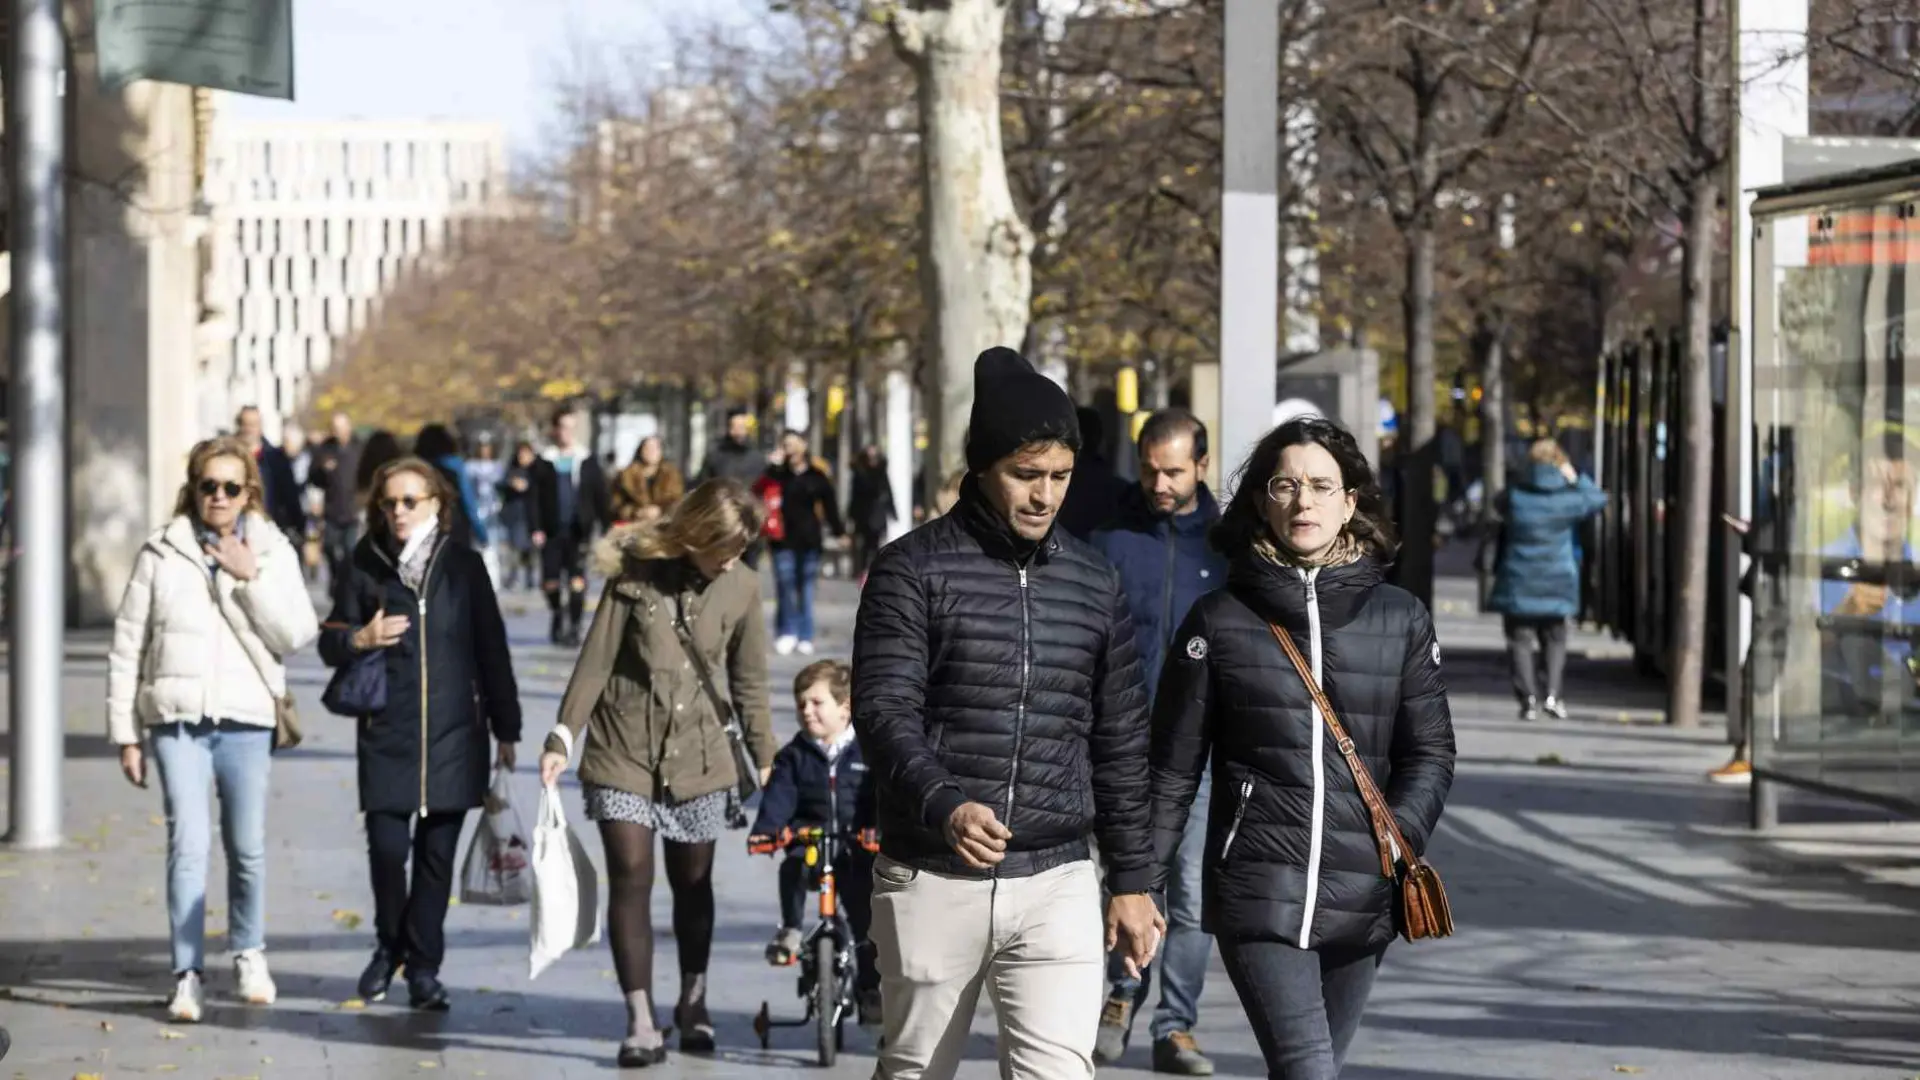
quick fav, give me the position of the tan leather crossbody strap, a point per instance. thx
(1386, 831)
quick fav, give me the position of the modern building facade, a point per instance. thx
(312, 224)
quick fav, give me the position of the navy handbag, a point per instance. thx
(360, 687)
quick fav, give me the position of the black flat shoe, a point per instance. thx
(641, 1057)
(427, 994)
(695, 1038)
(377, 979)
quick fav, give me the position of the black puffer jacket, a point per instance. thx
(465, 680)
(1229, 689)
(994, 671)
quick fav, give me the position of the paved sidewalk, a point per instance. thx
(1616, 919)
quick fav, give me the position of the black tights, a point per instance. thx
(629, 850)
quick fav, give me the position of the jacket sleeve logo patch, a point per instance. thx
(1197, 648)
(1436, 654)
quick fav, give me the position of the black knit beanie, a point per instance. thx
(1014, 405)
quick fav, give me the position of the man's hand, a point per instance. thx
(509, 754)
(1135, 923)
(977, 836)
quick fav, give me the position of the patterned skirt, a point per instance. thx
(697, 821)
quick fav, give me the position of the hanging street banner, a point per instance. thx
(245, 46)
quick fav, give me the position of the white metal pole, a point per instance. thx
(1250, 231)
(899, 395)
(36, 145)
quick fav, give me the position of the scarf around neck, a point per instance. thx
(416, 554)
(1344, 551)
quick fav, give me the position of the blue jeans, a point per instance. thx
(234, 760)
(794, 576)
(1304, 1004)
(1187, 949)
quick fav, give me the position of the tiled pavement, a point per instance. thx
(1616, 919)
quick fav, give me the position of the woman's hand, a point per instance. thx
(552, 764)
(234, 556)
(508, 755)
(133, 762)
(382, 631)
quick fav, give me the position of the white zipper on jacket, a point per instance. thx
(1319, 766)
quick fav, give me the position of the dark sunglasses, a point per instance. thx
(407, 502)
(210, 488)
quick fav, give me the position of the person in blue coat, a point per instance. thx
(1536, 586)
(1159, 543)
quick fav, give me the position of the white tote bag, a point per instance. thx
(566, 891)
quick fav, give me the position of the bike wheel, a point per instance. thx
(826, 999)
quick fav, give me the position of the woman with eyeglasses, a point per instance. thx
(216, 602)
(427, 606)
(1294, 889)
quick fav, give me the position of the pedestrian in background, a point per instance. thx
(485, 471)
(1097, 488)
(570, 508)
(437, 446)
(216, 603)
(1293, 890)
(677, 632)
(1159, 544)
(871, 509)
(998, 697)
(1536, 584)
(336, 466)
(734, 456)
(809, 509)
(517, 514)
(648, 487)
(381, 447)
(276, 474)
(425, 604)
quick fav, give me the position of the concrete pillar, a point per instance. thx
(1250, 230)
(133, 325)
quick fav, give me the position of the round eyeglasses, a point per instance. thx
(1285, 490)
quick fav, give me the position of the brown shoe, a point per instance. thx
(1110, 1045)
(1179, 1054)
(1737, 771)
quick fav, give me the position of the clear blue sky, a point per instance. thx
(493, 60)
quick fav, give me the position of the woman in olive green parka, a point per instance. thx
(657, 758)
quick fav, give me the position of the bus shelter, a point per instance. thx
(1831, 678)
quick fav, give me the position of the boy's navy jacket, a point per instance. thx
(1165, 565)
(796, 793)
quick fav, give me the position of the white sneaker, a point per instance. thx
(256, 982)
(784, 646)
(189, 1002)
(806, 648)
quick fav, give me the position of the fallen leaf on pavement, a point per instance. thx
(1629, 1069)
(353, 1004)
(453, 901)
(156, 820)
(347, 920)
(169, 1033)
(106, 1026)
(1549, 759)
(84, 1076)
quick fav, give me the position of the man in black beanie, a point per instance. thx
(999, 702)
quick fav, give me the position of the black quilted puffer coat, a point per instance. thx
(1290, 856)
(991, 670)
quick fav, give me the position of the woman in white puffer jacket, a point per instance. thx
(217, 599)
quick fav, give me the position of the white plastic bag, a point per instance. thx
(566, 891)
(499, 866)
